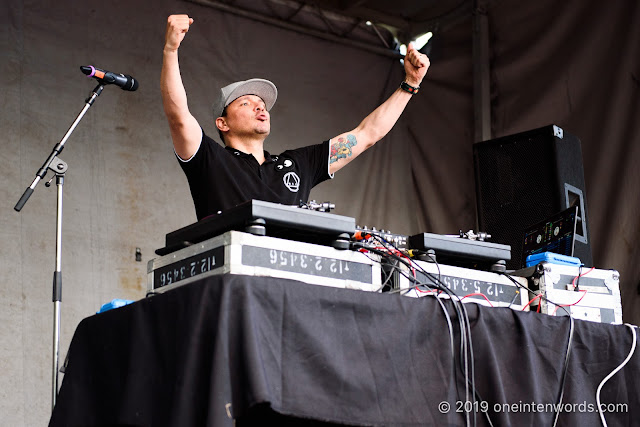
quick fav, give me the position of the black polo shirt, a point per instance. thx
(221, 178)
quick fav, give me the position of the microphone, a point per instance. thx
(122, 80)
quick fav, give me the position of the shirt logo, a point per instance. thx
(286, 164)
(291, 181)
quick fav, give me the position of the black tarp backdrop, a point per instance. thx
(575, 64)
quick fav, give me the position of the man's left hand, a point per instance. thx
(416, 65)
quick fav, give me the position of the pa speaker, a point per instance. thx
(524, 179)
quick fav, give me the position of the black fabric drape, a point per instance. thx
(252, 348)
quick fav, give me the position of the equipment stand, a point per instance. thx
(58, 167)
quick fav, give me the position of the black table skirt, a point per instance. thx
(250, 348)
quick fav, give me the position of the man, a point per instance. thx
(220, 178)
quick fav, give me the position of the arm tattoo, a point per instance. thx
(342, 148)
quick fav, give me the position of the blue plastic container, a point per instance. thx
(552, 258)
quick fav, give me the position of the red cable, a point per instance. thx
(584, 292)
(478, 294)
(573, 282)
(535, 298)
(417, 288)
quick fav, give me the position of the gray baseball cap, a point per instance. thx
(260, 87)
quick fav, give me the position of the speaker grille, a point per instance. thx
(519, 183)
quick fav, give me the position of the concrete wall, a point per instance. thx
(124, 188)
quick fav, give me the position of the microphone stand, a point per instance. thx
(58, 167)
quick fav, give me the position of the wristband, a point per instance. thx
(408, 88)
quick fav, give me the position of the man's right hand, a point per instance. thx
(177, 27)
(185, 130)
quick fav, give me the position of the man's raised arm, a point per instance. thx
(349, 145)
(185, 130)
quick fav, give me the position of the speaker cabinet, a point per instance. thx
(525, 178)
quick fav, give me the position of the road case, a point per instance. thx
(469, 285)
(237, 252)
(597, 297)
